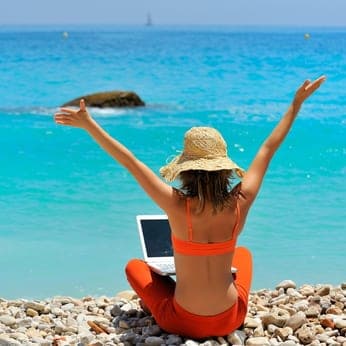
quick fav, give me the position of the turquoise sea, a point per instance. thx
(67, 210)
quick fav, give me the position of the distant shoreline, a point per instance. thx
(111, 26)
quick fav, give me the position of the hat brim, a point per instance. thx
(182, 163)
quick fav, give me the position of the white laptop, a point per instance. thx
(155, 235)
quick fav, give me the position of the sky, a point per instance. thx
(177, 12)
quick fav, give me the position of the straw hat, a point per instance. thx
(204, 149)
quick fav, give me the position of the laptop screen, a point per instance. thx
(157, 237)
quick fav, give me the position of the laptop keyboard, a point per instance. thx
(167, 267)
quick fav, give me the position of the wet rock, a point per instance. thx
(109, 99)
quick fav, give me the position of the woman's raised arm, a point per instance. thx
(159, 191)
(254, 176)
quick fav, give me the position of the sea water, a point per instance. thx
(67, 210)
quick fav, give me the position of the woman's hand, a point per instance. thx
(71, 117)
(307, 89)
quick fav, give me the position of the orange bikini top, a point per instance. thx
(190, 247)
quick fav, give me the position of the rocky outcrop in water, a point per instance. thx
(109, 99)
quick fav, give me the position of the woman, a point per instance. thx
(206, 218)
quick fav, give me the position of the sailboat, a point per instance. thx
(149, 20)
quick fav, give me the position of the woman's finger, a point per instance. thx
(63, 122)
(68, 110)
(61, 115)
(82, 105)
(63, 118)
(316, 84)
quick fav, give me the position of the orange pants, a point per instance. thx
(157, 293)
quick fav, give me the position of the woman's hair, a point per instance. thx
(212, 186)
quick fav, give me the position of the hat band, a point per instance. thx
(199, 157)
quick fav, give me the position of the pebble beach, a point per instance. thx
(287, 315)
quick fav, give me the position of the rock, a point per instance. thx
(191, 343)
(340, 323)
(60, 327)
(110, 99)
(322, 337)
(327, 323)
(154, 341)
(86, 338)
(96, 343)
(222, 341)
(35, 306)
(124, 324)
(24, 322)
(315, 343)
(283, 333)
(259, 341)
(313, 311)
(210, 343)
(153, 330)
(252, 322)
(116, 310)
(57, 311)
(8, 320)
(236, 338)
(271, 328)
(173, 340)
(291, 292)
(286, 284)
(7, 341)
(281, 299)
(301, 305)
(288, 343)
(296, 321)
(127, 307)
(323, 291)
(67, 307)
(31, 312)
(127, 295)
(102, 302)
(19, 337)
(334, 310)
(277, 317)
(305, 334)
(307, 290)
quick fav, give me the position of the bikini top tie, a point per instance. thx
(190, 247)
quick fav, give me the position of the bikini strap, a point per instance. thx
(236, 225)
(188, 219)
